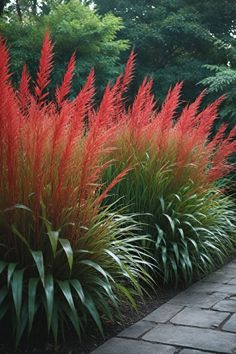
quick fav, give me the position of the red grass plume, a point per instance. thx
(183, 137)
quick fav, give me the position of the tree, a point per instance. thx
(174, 39)
(73, 26)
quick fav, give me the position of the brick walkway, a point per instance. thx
(201, 319)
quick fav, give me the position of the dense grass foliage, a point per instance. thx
(63, 258)
(192, 231)
(175, 167)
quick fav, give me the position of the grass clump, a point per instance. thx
(175, 167)
(63, 257)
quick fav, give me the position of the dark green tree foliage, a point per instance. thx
(175, 38)
(218, 16)
(222, 80)
(73, 27)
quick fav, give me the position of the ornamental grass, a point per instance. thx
(64, 258)
(177, 179)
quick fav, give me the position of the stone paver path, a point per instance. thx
(201, 319)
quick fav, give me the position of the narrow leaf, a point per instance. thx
(93, 311)
(17, 290)
(38, 259)
(94, 265)
(49, 293)
(68, 251)
(66, 290)
(53, 237)
(32, 291)
(10, 271)
(78, 288)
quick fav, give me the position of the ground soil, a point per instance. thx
(93, 339)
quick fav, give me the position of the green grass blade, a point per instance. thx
(17, 290)
(39, 262)
(49, 294)
(68, 251)
(32, 292)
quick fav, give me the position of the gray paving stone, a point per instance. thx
(129, 346)
(193, 351)
(230, 325)
(232, 281)
(212, 287)
(218, 277)
(200, 318)
(227, 270)
(163, 313)
(230, 265)
(196, 338)
(197, 299)
(137, 330)
(227, 305)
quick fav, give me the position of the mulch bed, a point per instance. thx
(93, 339)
